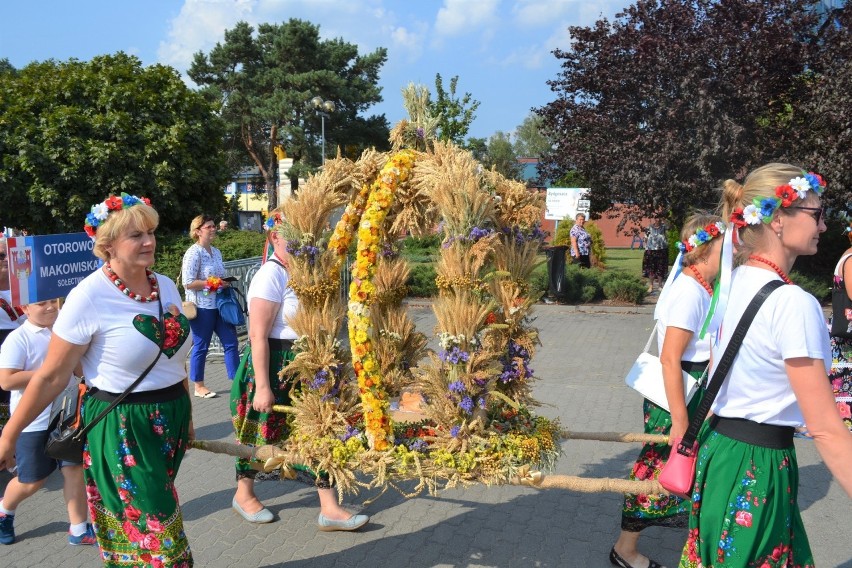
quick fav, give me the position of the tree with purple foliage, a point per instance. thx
(659, 106)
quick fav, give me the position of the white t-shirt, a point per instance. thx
(25, 350)
(198, 264)
(839, 267)
(789, 324)
(98, 314)
(271, 282)
(685, 306)
(5, 321)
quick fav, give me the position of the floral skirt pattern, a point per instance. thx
(253, 428)
(841, 377)
(744, 508)
(655, 263)
(640, 511)
(130, 482)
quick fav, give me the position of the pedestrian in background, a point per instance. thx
(202, 274)
(655, 259)
(581, 242)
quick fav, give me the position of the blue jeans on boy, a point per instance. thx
(205, 323)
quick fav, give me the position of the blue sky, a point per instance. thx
(500, 49)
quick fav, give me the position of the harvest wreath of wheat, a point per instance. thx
(475, 420)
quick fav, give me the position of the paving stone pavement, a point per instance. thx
(584, 356)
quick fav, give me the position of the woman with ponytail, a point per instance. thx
(745, 510)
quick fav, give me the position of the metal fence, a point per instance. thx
(244, 270)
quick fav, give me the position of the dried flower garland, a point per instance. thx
(374, 398)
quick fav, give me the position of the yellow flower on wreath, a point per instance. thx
(374, 399)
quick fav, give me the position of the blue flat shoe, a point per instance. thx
(353, 523)
(262, 516)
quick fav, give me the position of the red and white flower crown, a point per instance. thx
(101, 211)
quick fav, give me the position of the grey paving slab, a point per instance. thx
(584, 355)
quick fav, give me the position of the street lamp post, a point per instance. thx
(324, 110)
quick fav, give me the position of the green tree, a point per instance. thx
(263, 84)
(531, 139)
(74, 131)
(455, 114)
(501, 156)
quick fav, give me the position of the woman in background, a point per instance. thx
(581, 242)
(655, 259)
(202, 273)
(840, 374)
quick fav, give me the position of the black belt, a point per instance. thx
(167, 394)
(764, 435)
(276, 344)
(693, 366)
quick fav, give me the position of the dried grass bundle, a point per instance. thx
(398, 347)
(461, 314)
(338, 175)
(391, 276)
(368, 166)
(518, 205)
(318, 283)
(461, 265)
(518, 260)
(306, 215)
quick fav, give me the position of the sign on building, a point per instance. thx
(565, 202)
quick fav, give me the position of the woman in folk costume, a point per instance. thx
(258, 385)
(745, 510)
(680, 315)
(115, 323)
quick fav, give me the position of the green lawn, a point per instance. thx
(624, 260)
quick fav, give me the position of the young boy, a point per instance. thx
(23, 352)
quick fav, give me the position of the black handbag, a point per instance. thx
(67, 435)
(841, 307)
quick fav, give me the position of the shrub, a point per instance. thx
(421, 281)
(420, 249)
(625, 288)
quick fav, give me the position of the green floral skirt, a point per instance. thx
(640, 511)
(253, 428)
(130, 481)
(744, 507)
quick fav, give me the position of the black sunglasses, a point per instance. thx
(815, 212)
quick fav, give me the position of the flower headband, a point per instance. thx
(701, 237)
(274, 219)
(101, 211)
(761, 209)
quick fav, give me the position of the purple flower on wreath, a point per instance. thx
(420, 132)
(466, 404)
(454, 355)
(418, 445)
(320, 379)
(477, 233)
(454, 431)
(515, 363)
(456, 387)
(350, 432)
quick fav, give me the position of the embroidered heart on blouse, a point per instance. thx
(176, 327)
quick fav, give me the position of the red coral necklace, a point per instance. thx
(152, 297)
(773, 266)
(700, 279)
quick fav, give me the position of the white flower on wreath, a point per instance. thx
(100, 211)
(751, 215)
(693, 241)
(801, 185)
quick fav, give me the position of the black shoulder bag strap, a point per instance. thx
(82, 432)
(686, 444)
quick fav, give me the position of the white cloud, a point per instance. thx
(533, 13)
(198, 26)
(457, 17)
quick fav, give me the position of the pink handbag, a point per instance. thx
(678, 474)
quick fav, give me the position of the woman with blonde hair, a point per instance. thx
(121, 322)
(745, 510)
(259, 385)
(202, 276)
(680, 315)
